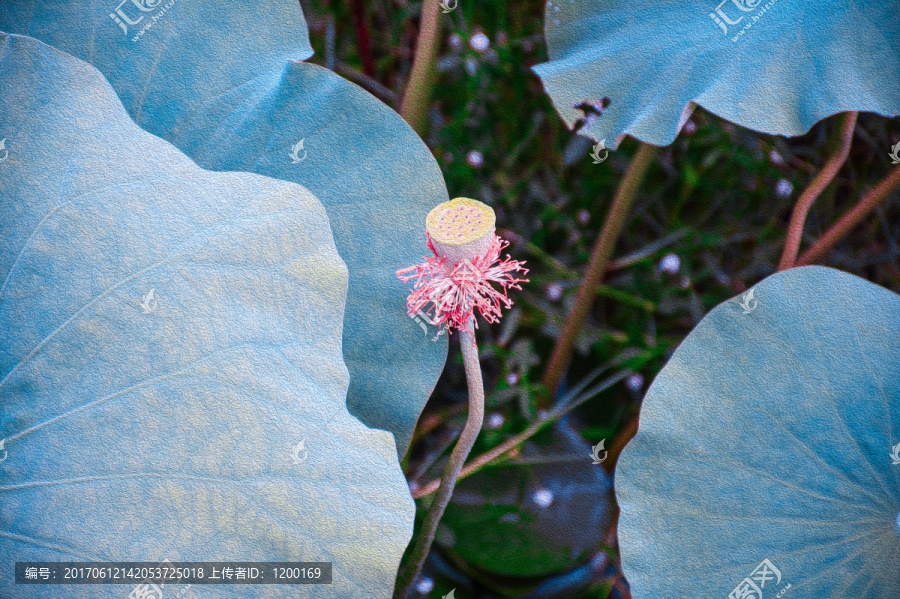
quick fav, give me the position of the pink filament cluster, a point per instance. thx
(448, 294)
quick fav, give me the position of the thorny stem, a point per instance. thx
(425, 538)
(853, 217)
(414, 106)
(815, 189)
(513, 442)
(600, 255)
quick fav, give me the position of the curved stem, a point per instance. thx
(853, 217)
(815, 189)
(513, 442)
(414, 106)
(600, 255)
(425, 538)
(615, 449)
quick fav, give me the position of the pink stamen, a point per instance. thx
(449, 294)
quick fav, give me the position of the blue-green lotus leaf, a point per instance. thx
(775, 66)
(768, 458)
(223, 82)
(171, 379)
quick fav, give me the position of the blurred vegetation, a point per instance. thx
(709, 222)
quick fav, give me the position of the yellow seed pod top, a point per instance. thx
(460, 221)
(461, 228)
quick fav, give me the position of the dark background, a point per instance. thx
(709, 222)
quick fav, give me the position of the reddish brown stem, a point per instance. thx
(851, 219)
(619, 443)
(362, 37)
(815, 189)
(600, 255)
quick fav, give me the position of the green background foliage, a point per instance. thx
(709, 198)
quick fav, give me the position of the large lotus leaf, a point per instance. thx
(222, 81)
(171, 379)
(768, 436)
(779, 68)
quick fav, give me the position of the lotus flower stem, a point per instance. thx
(422, 546)
(414, 105)
(513, 442)
(460, 278)
(600, 255)
(815, 189)
(853, 217)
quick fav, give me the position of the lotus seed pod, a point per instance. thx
(461, 229)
